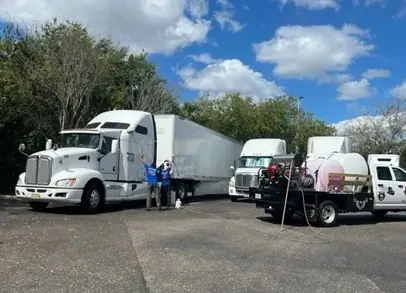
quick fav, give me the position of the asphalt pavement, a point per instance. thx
(208, 246)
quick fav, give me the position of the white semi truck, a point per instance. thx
(256, 154)
(102, 162)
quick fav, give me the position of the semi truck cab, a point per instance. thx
(255, 155)
(93, 165)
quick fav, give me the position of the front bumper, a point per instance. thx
(232, 191)
(49, 194)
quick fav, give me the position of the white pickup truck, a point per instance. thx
(380, 188)
(101, 162)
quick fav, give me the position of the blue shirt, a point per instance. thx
(166, 178)
(150, 174)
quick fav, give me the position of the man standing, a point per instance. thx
(166, 181)
(151, 178)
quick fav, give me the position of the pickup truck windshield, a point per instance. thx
(79, 140)
(254, 162)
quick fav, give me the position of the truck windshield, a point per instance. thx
(79, 140)
(254, 162)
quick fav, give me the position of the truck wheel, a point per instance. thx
(379, 214)
(277, 215)
(92, 200)
(38, 206)
(327, 214)
(233, 198)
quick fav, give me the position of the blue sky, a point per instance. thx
(342, 56)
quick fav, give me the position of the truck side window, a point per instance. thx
(141, 130)
(384, 173)
(106, 146)
(400, 175)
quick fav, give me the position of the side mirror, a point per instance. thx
(21, 147)
(232, 168)
(114, 146)
(48, 144)
(131, 129)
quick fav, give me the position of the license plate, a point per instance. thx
(257, 195)
(35, 196)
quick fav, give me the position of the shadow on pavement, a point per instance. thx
(128, 205)
(343, 220)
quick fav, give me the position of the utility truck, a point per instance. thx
(324, 185)
(102, 162)
(256, 154)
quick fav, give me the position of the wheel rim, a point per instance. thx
(94, 198)
(328, 214)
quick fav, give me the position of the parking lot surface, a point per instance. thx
(208, 246)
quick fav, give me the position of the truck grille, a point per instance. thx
(38, 170)
(246, 180)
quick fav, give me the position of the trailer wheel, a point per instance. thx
(38, 206)
(327, 214)
(277, 215)
(379, 214)
(93, 199)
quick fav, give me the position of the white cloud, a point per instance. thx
(376, 73)
(314, 4)
(204, 58)
(229, 76)
(357, 89)
(224, 17)
(313, 51)
(353, 90)
(399, 91)
(369, 2)
(156, 26)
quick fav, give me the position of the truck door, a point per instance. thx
(108, 161)
(400, 177)
(386, 187)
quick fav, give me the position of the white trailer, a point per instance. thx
(201, 157)
(102, 162)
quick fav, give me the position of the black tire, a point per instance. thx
(38, 206)
(92, 199)
(277, 215)
(379, 214)
(233, 198)
(328, 212)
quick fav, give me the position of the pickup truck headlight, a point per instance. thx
(232, 183)
(66, 182)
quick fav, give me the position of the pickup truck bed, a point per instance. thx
(321, 207)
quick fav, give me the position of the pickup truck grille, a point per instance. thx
(246, 180)
(38, 170)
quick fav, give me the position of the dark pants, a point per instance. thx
(166, 195)
(153, 189)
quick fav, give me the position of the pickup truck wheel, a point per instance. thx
(38, 206)
(92, 200)
(379, 214)
(277, 215)
(327, 214)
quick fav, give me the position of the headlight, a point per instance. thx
(66, 182)
(232, 183)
